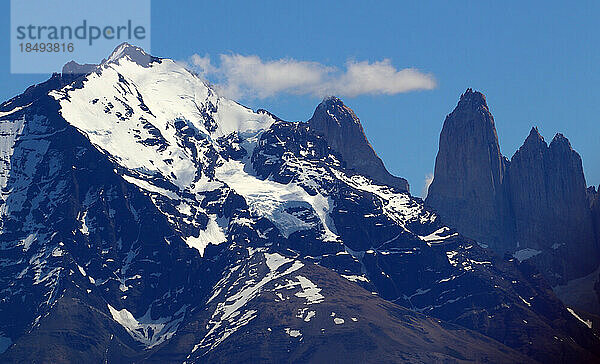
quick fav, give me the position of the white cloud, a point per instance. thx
(428, 180)
(203, 65)
(380, 78)
(249, 76)
(239, 76)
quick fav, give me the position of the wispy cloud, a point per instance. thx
(380, 78)
(428, 180)
(250, 77)
(202, 64)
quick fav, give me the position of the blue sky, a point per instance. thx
(538, 64)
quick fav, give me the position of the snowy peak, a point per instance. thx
(164, 89)
(131, 53)
(165, 130)
(153, 117)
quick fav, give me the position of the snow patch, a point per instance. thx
(525, 301)
(310, 291)
(6, 113)
(213, 234)
(146, 330)
(438, 236)
(355, 278)
(587, 323)
(84, 228)
(274, 261)
(309, 316)
(293, 333)
(81, 270)
(28, 241)
(397, 206)
(271, 200)
(525, 254)
(451, 258)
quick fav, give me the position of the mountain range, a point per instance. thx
(144, 218)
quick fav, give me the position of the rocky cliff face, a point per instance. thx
(552, 216)
(344, 133)
(468, 186)
(594, 201)
(534, 206)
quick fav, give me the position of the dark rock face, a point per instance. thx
(533, 206)
(468, 186)
(594, 201)
(548, 195)
(344, 133)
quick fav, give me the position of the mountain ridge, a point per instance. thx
(137, 225)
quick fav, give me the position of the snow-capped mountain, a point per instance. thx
(145, 218)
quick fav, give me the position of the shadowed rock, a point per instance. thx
(345, 135)
(467, 189)
(534, 206)
(594, 201)
(548, 195)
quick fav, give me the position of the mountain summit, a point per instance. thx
(132, 53)
(343, 131)
(467, 188)
(551, 212)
